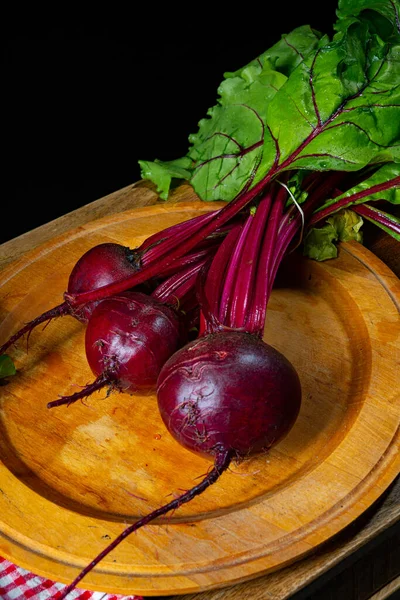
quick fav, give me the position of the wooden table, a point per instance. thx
(361, 562)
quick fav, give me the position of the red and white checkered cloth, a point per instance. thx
(19, 584)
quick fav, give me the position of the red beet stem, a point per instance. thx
(105, 378)
(244, 287)
(160, 236)
(354, 198)
(256, 315)
(185, 242)
(319, 187)
(57, 311)
(215, 280)
(232, 272)
(170, 242)
(222, 461)
(292, 220)
(378, 217)
(187, 260)
(173, 289)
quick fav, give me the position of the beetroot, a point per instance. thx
(99, 266)
(228, 390)
(128, 338)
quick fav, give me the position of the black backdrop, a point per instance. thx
(83, 100)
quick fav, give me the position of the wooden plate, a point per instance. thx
(71, 478)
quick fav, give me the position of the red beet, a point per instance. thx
(230, 391)
(128, 339)
(99, 266)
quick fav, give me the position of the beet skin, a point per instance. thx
(228, 390)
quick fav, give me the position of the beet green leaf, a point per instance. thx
(309, 103)
(7, 367)
(320, 243)
(162, 173)
(339, 109)
(382, 16)
(228, 144)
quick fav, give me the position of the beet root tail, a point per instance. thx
(101, 381)
(58, 311)
(221, 464)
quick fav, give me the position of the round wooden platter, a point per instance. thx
(72, 478)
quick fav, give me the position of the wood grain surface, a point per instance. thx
(350, 337)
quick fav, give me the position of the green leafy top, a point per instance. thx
(382, 16)
(7, 367)
(232, 134)
(307, 103)
(343, 226)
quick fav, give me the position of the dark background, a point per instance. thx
(83, 100)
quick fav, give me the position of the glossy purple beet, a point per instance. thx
(231, 391)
